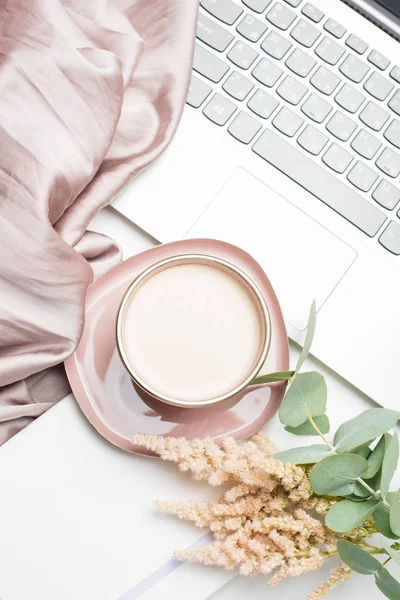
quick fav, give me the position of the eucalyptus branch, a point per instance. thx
(345, 467)
(359, 479)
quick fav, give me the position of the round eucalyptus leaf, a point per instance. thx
(360, 490)
(382, 521)
(388, 437)
(375, 459)
(375, 481)
(304, 455)
(364, 451)
(306, 428)
(335, 475)
(357, 559)
(355, 498)
(312, 321)
(345, 515)
(387, 584)
(306, 396)
(389, 464)
(395, 514)
(369, 425)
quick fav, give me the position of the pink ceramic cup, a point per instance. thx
(157, 286)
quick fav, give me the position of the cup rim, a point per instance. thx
(202, 259)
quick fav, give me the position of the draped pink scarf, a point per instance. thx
(91, 92)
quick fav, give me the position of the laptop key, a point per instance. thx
(356, 44)
(394, 103)
(362, 176)
(341, 126)
(238, 86)
(219, 110)
(300, 63)
(319, 182)
(242, 55)
(334, 28)
(251, 28)
(225, 10)
(287, 122)
(390, 238)
(291, 90)
(312, 140)
(212, 34)
(244, 127)
(325, 81)
(374, 116)
(294, 3)
(266, 72)
(316, 108)
(349, 98)
(366, 144)
(337, 158)
(354, 68)
(305, 33)
(389, 162)
(281, 16)
(275, 45)
(257, 5)
(209, 65)
(198, 92)
(377, 59)
(312, 12)
(392, 133)
(386, 195)
(395, 73)
(378, 86)
(330, 51)
(262, 104)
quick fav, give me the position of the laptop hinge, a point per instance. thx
(378, 15)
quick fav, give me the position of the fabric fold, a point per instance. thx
(91, 93)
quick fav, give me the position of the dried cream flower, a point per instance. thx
(341, 573)
(268, 520)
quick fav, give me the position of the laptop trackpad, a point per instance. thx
(302, 259)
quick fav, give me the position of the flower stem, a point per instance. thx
(386, 561)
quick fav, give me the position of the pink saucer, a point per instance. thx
(105, 391)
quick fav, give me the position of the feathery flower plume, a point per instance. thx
(268, 521)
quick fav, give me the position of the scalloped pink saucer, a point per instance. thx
(104, 389)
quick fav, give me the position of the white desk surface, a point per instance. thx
(69, 532)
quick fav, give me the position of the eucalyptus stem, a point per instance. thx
(386, 561)
(321, 435)
(274, 378)
(372, 492)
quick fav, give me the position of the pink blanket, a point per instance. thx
(91, 92)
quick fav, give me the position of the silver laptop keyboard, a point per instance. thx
(289, 65)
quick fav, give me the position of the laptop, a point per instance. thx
(289, 147)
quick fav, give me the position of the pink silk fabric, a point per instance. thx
(91, 92)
